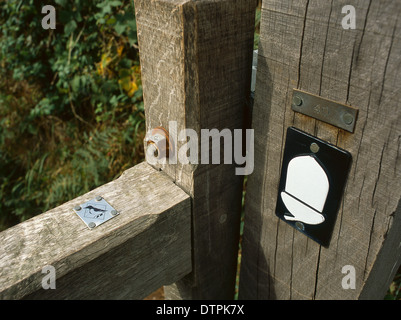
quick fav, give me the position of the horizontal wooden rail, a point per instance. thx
(146, 246)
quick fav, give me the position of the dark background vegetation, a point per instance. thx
(71, 107)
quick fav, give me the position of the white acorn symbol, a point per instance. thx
(306, 190)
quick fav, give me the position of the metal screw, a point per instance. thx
(300, 225)
(297, 100)
(77, 208)
(348, 118)
(314, 147)
(98, 198)
(223, 218)
(91, 225)
(113, 212)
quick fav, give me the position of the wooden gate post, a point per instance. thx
(196, 59)
(305, 46)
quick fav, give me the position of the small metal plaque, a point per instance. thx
(334, 113)
(313, 178)
(95, 212)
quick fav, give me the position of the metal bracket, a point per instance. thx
(334, 113)
(95, 212)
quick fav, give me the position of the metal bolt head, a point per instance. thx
(158, 144)
(91, 225)
(98, 198)
(77, 208)
(152, 151)
(348, 118)
(223, 218)
(300, 226)
(297, 100)
(314, 147)
(113, 212)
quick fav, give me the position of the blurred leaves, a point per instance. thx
(71, 108)
(258, 15)
(394, 292)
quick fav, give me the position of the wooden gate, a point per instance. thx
(178, 224)
(303, 45)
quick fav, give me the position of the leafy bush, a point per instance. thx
(71, 108)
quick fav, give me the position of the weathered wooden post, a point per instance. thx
(305, 45)
(196, 59)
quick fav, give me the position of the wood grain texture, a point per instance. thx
(304, 46)
(146, 246)
(196, 59)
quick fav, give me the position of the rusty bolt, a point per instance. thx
(157, 143)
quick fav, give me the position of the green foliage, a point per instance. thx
(71, 108)
(258, 14)
(394, 292)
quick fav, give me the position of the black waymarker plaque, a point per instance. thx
(313, 177)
